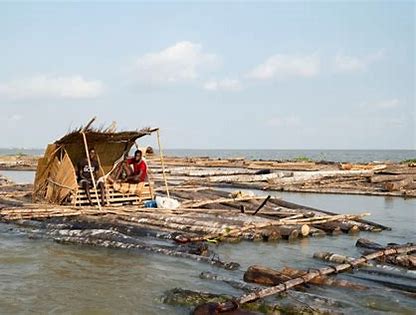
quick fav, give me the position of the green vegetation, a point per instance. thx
(302, 159)
(190, 299)
(18, 154)
(408, 161)
(21, 154)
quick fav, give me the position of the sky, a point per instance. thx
(212, 75)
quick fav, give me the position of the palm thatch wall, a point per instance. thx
(56, 177)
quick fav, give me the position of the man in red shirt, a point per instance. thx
(136, 168)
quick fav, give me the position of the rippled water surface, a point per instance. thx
(39, 276)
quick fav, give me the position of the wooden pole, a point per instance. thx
(89, 124)
(84, 137)
(162, 162)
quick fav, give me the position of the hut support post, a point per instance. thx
(90, 167)
(162, 162)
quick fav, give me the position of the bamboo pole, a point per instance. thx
(84, 137)
(162, 162)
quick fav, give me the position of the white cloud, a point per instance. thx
(284, 121)
(183, 61)
(50, 87)
(343, 63)
(15, 117)
(382, 104)
(281, 66)
(223, 85)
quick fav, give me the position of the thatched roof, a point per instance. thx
(97, 136)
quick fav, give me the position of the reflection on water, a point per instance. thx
(39, 276)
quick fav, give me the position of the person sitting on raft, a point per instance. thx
(84, 176)
(135, 169)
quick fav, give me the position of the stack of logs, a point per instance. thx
(215, 215)
(372, 179)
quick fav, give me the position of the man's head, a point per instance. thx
(93, 155)
(138, 155)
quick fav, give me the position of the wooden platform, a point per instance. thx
(114, 196)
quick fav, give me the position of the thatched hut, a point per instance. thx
(56, 178)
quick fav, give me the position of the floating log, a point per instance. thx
(267, 276)
(246, 298)
(405, 261)
(393, 186)
(113, 239)
(409, 288)
(387, 178)
(209, 304)
(349, 227)
(245, 178)
(239, 285)
(192, 172)
(365, 243)
(334, 258)
(305, 177)
(289, 232)
(314, 232)
(331, 228)
(292, 205)
(202, 203)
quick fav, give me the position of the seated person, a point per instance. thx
(84, 176)
(135, 169)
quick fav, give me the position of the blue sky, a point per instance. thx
(295, 75)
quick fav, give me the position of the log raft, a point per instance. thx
(304, 278)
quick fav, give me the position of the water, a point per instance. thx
(20, 177)
(39, 276)
(316, 155)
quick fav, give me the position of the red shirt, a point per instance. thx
(138, 167)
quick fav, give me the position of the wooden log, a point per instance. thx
(393, 186)
(246, 298)
(365, 243)
(386, 178)
(332, 257)
(202, 203)
(349, 227)
(270, 277)
(305, 177)
(405, 261)
(278, 223)
(264, 276)
(292, 205)
(289, 233)
(314, 232)
(193, 172)
(331, 228)
(371, 268)
(323, 280)
(244, 178)
(270, 234)
(113, 239)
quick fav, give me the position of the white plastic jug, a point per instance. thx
(167, 203)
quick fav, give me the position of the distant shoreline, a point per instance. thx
(336, 156)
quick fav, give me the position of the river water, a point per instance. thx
(316, 155)
(39, 276)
